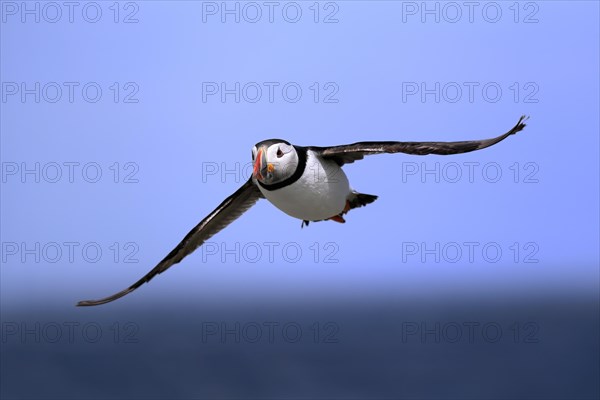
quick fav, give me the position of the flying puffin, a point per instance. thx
(305, 182)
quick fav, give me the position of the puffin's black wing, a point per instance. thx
(228, 211)
(346, 154)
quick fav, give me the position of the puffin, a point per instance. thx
(305, 182)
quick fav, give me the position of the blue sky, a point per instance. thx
(171, 141)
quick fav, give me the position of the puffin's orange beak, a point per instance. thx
(260, 165)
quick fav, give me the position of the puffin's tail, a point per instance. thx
(355, 200)
(360, 199)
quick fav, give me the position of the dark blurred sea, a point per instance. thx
(468, 349)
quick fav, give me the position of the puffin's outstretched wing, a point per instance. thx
(346, 154)
(228, 211)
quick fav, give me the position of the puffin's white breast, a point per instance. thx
(320, 192)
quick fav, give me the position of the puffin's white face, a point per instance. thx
(273, 161)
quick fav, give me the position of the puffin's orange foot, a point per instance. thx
(337, 218)
(346, 208)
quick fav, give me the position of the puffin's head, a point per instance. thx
(274, 161)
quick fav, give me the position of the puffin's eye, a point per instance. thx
(279, 153)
